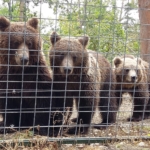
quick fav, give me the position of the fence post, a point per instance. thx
(144, 15)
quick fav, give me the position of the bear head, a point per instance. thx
(128, 69)
(19, 41)
(67, 55)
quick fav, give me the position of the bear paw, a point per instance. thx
(78, 130)
(147, 116)
(74, 120)
(2, 127)
(4, 130)
(135, 119)
(101, 126)
(44, 132)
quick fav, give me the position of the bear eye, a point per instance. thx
(16, 43)
(126, 70)
(74, 57)
(29, 44)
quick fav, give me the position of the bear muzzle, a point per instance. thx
(22, 55)
(67, 70)
(21, 59)
(24, 60)
(133, 78)
(67, 65)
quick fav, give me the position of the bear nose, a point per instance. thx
(67, 70)
(24, 60)
(133, 78)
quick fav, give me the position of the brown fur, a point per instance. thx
(25, 80)
(136, 85)
(81, 74)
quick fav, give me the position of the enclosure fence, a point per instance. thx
(73, 71)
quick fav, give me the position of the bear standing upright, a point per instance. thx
(132, 77)
(25, 80)
(84, 75)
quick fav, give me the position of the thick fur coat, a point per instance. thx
(132, 77)
(25, 80)
(84, 75)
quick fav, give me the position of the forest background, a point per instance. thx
(112, 25)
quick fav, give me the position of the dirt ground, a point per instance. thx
(129, 135)
(121, 127)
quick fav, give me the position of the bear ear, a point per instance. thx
(117, 61)
(4, 23)
(139, 61)
(84, 40)
(33, 23)
(54, 38)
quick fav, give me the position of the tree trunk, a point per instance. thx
(122, 5)
(144, 14)
(22, 10)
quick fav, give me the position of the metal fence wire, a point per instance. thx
(72, 70)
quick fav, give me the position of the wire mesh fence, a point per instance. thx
(72, 71)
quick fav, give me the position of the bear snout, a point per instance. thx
(24, 60)
(67, 65)
(22, 55)
(133, 75)
(67, 70)
(133, 78)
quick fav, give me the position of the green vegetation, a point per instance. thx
(112, 30)
(100, 20)
(11, 9)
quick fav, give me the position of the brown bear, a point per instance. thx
(132, 77)
(25, 80)
(84, 75)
